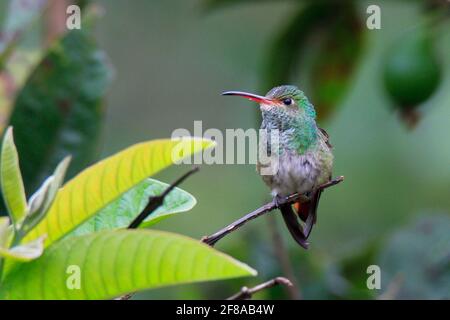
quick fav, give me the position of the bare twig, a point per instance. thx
(274, 204)
(282, 256)
(247, 293)
(155, 202)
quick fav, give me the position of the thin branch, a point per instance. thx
(268, 207)
(247, 293)
(157, 201)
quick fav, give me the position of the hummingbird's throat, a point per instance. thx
(298, 132)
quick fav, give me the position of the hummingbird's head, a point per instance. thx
(283, 98)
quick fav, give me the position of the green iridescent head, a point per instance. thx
(288, 110)
(287, 97)
(292, 98)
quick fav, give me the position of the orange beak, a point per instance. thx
(250, 96)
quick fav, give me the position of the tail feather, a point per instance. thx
(302, 209)
(293, 225)
(307, 211)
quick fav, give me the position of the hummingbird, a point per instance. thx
(304, 158)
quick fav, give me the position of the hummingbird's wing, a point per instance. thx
(307, 211)
(326, 137)
(312, 214)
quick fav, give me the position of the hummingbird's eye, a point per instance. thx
(287, 101)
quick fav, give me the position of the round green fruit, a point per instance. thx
(412, 72)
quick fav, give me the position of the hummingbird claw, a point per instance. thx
(278, 201)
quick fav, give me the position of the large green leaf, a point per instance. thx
(11, 180)
(97, 186)
(116, 262)
(122, 211)
(60, 109)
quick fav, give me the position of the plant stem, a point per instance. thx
(268, 207)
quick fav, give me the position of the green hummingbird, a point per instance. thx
(304, 156)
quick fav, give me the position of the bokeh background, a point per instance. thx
(172, 59)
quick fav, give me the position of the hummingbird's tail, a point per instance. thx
(302, 209)
(307, 211)
(293, 225)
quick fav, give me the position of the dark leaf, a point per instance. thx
(59, 111)
(330, 34)
(335, 62)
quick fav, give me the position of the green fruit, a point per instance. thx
(412, 72)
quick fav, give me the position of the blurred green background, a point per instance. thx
(171, 61)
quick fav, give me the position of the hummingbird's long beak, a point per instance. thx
(250, 96)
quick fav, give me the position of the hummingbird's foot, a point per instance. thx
(278, 201)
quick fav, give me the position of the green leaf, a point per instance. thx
(60, 109)
(97, 186)
(11, 181)
(112, 263)
(122, 211)
(4, 233)
(24, 252)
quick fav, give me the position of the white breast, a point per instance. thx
(296, 173)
